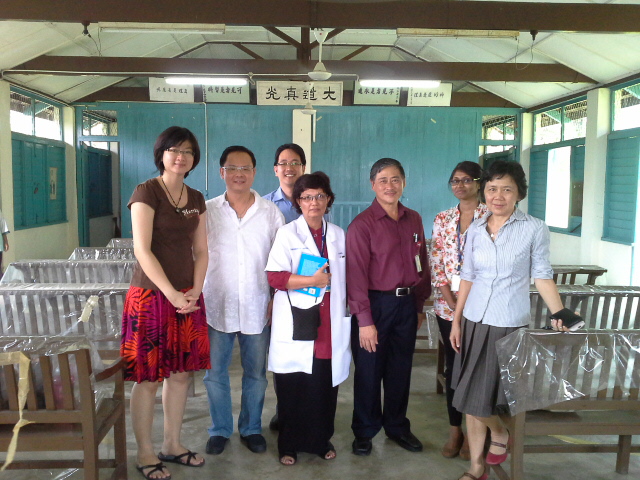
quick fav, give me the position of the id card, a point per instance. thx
(418, 263)
(455, 283)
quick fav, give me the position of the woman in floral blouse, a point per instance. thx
(449, 234)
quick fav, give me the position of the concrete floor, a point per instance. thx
(427, 412)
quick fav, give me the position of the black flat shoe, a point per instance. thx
(408, 441)
(361, 446)
(256, 443)
(216, 444)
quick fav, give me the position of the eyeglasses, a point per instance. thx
(464, 181)
(395, 181)
(321, 197)
(289, 164)
(235, 169)
(175, 152)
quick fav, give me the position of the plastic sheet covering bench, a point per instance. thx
(69, 271)
(49, 391)
(93, 310)
(102, 253)
(120, 243)
(587, 382)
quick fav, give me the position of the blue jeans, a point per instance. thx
(253, 356)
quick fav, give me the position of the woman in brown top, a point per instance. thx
(164, 327)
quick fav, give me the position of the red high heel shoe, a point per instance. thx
(494, 459)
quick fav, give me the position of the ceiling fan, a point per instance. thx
(319, 73)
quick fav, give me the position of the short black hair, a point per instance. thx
(172, 137)
(236, 148)
(499, 169)
(472, 169)
(316, 181)
(382, 164)
(291, 146)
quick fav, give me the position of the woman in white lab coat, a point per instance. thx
(308, 372)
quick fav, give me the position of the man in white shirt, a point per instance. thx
(241, 227)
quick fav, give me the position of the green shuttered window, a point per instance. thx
(621, 189)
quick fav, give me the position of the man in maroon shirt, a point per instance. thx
(388, 281)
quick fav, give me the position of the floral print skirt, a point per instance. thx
(156, 340)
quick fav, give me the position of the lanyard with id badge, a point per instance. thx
(417, 257)
(455, 279)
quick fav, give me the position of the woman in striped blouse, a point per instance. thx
(503, 251)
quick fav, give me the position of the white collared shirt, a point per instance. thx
(236, 290)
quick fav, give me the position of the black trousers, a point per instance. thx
(455, 417)
(389, 366)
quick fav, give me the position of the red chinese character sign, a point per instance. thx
(299, 93)
(161, 91)
(430, 97)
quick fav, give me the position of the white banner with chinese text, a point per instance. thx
(430, 97)
(375, 95)
(299, 93)
(161, 91)
(225, 94)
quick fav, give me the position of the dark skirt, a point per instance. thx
(306, 409)
(157, 341)
(476, 373)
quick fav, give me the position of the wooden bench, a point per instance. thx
(586, 382)
(103, 253)
(55, 309)
(69, 271)
(566, 274)
(61, 403)
(601, 306)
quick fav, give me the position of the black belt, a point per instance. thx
(397, 292)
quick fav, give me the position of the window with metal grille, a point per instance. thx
(30, 115)
(561, 123)
(100, 123)
(498, 127)
(626, 107)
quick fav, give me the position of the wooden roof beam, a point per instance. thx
(446, 71)
(480, 15)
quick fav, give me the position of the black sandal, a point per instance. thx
(293, 455)
(330, 448)
(158, 467)
(179, 459)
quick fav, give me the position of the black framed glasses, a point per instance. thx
(464, 181)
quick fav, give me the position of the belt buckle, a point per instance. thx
(402, 291)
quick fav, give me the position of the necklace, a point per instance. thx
(175, 204)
